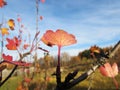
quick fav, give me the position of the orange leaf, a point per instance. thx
(59, 38)
(46, 42)
(13, 43)
(2, 3)
(41, 17)
(7, 57)
(42, 1)
(11, 24)
(4, 31)
(26, 46)
(95, 49)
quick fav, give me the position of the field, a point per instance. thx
(95, 82)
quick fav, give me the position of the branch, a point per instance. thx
(70, 76)
(101, 60)
(21, 57)
(115, 49)
(67, 84)
(1, 83)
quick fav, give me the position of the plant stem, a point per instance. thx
(13, 70)
(8, 75)
(115, 82)
(58, 73)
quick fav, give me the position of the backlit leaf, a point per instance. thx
(11, 24)
(60, 38)
(13, 43)
(25, 46)
(4, 31)
(42, 1)
(2, 3)
(7, 57)
(108, 70)
(41, 17)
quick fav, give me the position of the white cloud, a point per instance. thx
(92, 22)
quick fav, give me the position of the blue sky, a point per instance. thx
(93, 22)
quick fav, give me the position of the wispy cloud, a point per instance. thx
(91, 21)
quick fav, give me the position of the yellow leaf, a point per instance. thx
(11, 24)
(4, 31)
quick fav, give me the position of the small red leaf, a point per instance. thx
(27, 80)
(42, 1)
(26, 46)
(2, 3)
(13, 43)
(41, 17)
(7, 57)
(19, 19)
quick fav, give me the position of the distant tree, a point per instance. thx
(74, 60)
(85, 54)
(65, 58)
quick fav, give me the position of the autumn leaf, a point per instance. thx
(108, 70)
(25, 46)
(42, 1)
(11, 24)
(7, 57)
(13, 43)
(20, 87)
(2, 3)
(41, 17)
(95, 49)
(59, 38)
(27, 80)
(4, 31)
(115, 69)
(19, 19)
(46, 42)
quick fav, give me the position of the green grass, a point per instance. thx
(11, 84)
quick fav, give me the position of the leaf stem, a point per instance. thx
(58, 73)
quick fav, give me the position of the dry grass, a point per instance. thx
(94, 82)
